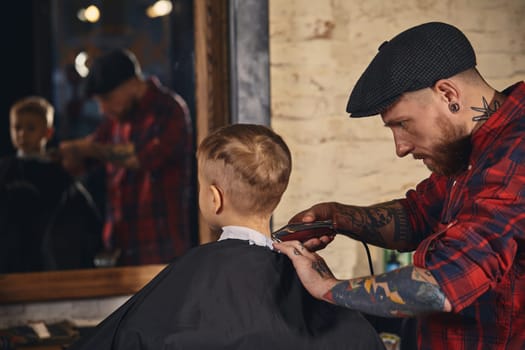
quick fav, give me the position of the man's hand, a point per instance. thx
(407, 291)
(71, 154)
(321, 211)
(311, 268)
(122, 155)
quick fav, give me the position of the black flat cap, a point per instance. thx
(111, 70)
(414, 59)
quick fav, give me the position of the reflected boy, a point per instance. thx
(31, 126)
(48, 221)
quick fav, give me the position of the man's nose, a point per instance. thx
(403, 148)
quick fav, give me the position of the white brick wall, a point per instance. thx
(318, 49)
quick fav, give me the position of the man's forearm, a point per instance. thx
(121, 154)
(404, 292)
(385, 225)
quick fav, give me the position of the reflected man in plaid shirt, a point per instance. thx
(146, 144)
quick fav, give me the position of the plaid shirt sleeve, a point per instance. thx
(425, 204)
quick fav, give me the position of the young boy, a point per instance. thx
(31, 126)
(47, 219)
(236, 293)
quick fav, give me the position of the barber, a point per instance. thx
(465, 222)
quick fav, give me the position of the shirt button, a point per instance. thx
(469, 166)
(454, 183)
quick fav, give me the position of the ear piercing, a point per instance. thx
(454, 107)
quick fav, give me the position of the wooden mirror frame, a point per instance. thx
(212, 110)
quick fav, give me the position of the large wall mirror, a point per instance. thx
(188, 49)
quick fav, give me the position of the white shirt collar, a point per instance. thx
(246, 234)
(20, 154)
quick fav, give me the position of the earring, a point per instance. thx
(454, 107)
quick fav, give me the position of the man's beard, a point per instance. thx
(451, 156)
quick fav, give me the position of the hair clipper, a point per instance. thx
(304, 231)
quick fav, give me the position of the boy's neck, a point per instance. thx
(258, 224)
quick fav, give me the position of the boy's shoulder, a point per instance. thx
(227, 250)
(226, 255)
(7, 167)
(49, 178)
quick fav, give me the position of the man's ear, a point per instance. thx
(218, 200)
(448, 90)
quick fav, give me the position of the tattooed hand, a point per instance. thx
(321, 211)
(311, 268)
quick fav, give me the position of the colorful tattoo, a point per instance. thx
(399, 293)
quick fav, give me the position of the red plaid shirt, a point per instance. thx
(473, 238)
(149, 209)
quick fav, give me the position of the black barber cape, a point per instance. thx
(230, 295)
(48, 221)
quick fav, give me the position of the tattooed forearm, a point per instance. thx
(365, 223)
(402, 229)
(404, 292)
(384, 224)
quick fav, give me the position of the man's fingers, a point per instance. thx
(314, 244)
(291, 248)
(309, 216)
(304, 216)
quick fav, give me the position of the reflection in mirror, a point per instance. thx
(210, 33)
(152, 216)
(148, 212)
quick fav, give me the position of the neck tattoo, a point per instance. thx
(486, 110)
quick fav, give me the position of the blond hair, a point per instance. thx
(34, 105)
(250, 163)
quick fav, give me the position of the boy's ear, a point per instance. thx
(50, 132)
(218, 200)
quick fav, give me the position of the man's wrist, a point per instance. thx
(121, 155)
(113, 153)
